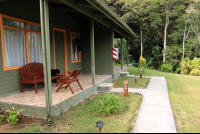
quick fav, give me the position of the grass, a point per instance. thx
(141, 83)
(119, 65)
(82, 119)
(184, 93)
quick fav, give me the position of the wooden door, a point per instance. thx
(60, 50)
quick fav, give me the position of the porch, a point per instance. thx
(63, 36)
(34, 105)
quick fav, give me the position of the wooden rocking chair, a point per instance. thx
(69, 79)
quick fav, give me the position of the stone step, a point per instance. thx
(105, 87)
(124, 74)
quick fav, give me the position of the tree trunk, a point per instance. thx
(165, 38)
(141, 37)
(184, 38)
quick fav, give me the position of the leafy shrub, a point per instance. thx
(149, 63)
(0, 109)
(185, 66)
(2, 117)
(195, 65)
(135, 64)
(142, 61)
(12, 117)
(109, 103)
(167, 67)
(191, 67)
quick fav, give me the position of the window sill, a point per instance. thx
(75, 61)
(12, 68)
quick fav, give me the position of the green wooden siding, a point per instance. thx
(29, 10)
(102, 49)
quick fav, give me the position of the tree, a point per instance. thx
(163, 11)
(137, 11)
(194, 19)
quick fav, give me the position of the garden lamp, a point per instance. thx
(99, 125)
(135, 82)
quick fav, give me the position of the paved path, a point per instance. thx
(155, 115)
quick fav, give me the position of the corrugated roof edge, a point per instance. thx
(115, 16)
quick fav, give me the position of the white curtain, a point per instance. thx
(35, 47)
(74, 51)
(13, 23)
(15, 47)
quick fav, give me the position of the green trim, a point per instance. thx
(92, 50)
(44, 18)
(111, 47)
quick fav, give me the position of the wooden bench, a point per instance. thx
(32, 73)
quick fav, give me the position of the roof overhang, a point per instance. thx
(102, 13)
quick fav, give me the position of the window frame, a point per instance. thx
(79, 53)
(26, 38)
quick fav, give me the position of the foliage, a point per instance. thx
(195, 65)
(167, 67)
(12, 117)
(185, 66)
(142, 61)
(149, 63)
(173, 54)
(153, 15)
(117, 44)
(191, 67)
(157, 56)
(108, 104)
(2, 117)
(0, 107)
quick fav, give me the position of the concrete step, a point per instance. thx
(124, 74)
(105, 87)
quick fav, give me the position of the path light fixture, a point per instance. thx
(135, 82)
(99, 125)
(125, 88)
(140, 73)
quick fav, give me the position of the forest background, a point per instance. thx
(168, 33)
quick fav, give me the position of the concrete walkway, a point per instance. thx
(155, 115)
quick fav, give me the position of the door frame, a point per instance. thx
(65, 48)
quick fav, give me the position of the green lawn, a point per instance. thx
(82, 119)
(141, 83)
(119, 65)
(184, 92)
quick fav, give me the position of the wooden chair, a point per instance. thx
(32, 73)
(69, 79)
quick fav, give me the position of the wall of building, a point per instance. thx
(102, 49)
(29, 10)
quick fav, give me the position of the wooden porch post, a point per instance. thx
(121, 53)
(44, 18)
(127, 52)
(92, 50)
(111, 52)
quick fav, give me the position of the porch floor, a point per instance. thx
(32, 99)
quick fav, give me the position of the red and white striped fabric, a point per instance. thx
(115, 53)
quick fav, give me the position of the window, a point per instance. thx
(75, 47)
(21, 42)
